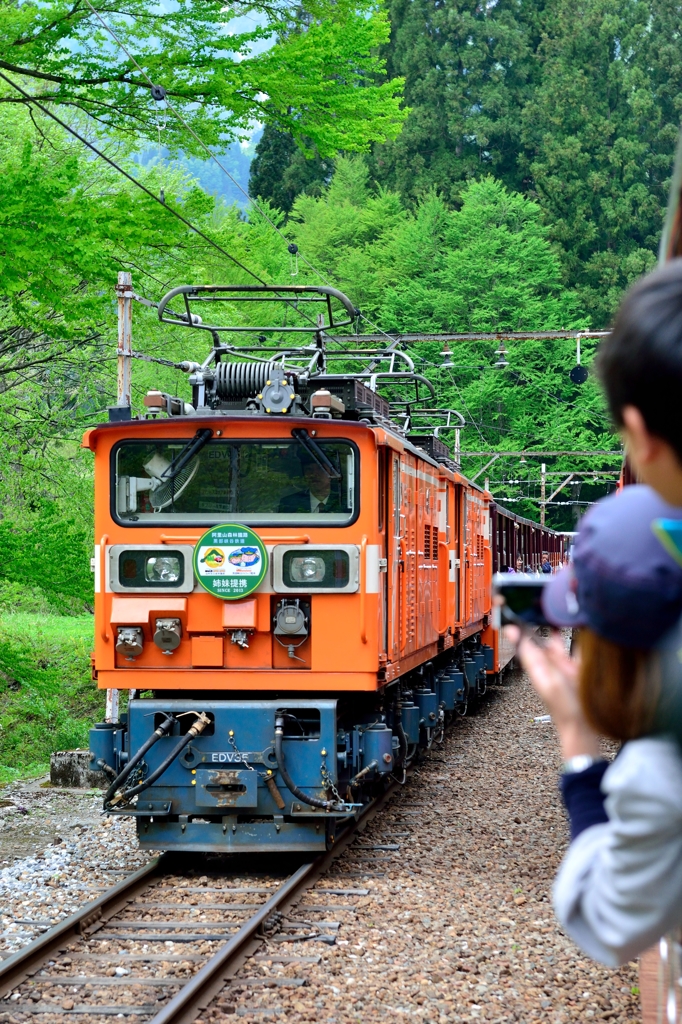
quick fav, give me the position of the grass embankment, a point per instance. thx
(47, 699)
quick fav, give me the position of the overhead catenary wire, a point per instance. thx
(189, 128)
(393, 341)
(138, 184)
(225, 171)
(72, 131)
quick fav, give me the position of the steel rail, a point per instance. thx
(209, 980)
(20, 965)
(206, 984)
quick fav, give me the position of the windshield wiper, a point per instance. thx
(313, 449)
(192, 448)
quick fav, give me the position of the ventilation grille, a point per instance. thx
(430, 543)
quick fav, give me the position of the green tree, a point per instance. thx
(323, 82)
(599, 135)
(468, 71)
(576, 104)
(488, 266)
(280, 170)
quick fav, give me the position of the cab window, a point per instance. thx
(258, 482)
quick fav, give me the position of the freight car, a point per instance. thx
(514, 536)
(292, 581)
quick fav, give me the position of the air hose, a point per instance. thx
(202, 721)
(164, 728)
(313, 801)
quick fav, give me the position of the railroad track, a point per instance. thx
(162, 944)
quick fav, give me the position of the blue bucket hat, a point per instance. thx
(625, 581)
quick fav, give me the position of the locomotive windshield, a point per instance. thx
(258, 482)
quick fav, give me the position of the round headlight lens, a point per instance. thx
(321, 569)
(307, 569)
(162, 569)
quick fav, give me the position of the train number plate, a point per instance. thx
(192, 757)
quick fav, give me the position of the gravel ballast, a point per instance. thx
(457, 924)
(440, 909)
(94, 854)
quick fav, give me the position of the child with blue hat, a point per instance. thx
(619, 888)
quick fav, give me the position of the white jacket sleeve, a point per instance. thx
(619, 887)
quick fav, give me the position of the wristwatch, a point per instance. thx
(579, 763)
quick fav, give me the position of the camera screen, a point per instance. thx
(523, 598)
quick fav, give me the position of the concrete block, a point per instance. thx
(71, 770)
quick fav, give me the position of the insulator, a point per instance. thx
(243, 379)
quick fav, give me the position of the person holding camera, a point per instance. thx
(619, 888)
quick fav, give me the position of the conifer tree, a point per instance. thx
(280, 170)
(468, 72)
(599, 135)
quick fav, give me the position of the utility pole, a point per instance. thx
(543, 481)
(111, 706)
(121, 411)
(124, 291)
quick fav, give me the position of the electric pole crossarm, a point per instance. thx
(561, 486)
(483, 468)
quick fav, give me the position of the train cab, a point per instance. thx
(292, 587)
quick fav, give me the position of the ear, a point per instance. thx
(642, 446)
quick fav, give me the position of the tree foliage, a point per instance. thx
(468, 70)
(323, 82)
(574, 103)
(599, 135)
(281, 171)
(487, 266)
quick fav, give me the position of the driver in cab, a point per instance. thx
(319, 496)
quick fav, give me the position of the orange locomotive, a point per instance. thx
(301, 593)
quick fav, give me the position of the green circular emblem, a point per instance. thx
(230, 561)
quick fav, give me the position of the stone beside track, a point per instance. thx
(457, 924)
(439, 910)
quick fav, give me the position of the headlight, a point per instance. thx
(325, 569)
(166, 569)
(140, 569)
(307, 570)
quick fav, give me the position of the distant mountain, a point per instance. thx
(236, 158)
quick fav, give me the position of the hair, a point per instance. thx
(618, 686)
(640, 362)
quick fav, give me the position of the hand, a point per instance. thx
(554, 675)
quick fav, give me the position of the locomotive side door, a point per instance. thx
(396, 562)
(384, 520)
